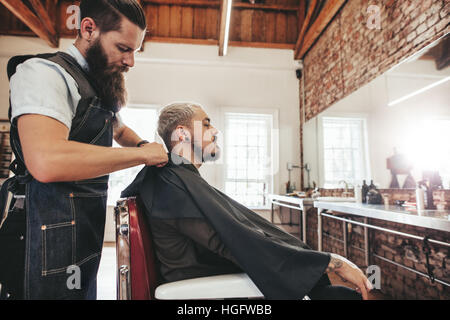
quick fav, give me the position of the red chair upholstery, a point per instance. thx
(136, 259)
(138, 276)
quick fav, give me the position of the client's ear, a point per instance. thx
(182, 134)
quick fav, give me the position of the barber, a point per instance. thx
(64, 116)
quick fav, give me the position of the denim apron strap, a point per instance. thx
(5, 200)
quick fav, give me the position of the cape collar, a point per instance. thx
(176, 160)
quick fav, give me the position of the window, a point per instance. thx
(248, 157)
(344, 151)
(143, 120)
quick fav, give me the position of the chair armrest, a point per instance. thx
(237, 285)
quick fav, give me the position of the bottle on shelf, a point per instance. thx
(420, 197)
(358, 193)
(364, 191)
(428, 194)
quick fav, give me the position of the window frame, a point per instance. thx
(274, 148)
(364, 147)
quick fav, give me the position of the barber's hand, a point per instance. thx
(348, 271)
(155, 155)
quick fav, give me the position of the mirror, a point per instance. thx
(394, 130)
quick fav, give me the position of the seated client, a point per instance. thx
(199, 231)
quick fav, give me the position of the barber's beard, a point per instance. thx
(110, 79)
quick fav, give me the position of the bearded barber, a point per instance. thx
(64, 115)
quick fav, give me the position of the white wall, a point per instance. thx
(245, 78)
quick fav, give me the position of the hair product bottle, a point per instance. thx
(364, 190)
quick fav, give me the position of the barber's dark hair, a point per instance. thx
(108, 14)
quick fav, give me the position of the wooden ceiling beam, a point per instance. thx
(306, 21)
(325, 16)
(271, 7)
(42, 14)
(217, 4)
(301, 15)
(193, 3)
(267, 45)
(21, 11)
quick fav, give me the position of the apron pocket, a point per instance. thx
(89, 212)
(57, 247)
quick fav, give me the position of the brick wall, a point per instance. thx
(349, 54)
(396, 282)
(440, 197)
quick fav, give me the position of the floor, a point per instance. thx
(106, 280)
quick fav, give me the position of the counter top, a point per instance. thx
(433, 219)
(291, 199)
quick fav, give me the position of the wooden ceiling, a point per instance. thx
(286, 24)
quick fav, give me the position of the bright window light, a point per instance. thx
(143, 121)
(428, 147)
(248, 154)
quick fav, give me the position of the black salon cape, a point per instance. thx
(279, 264)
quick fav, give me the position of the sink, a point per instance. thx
(335, 199)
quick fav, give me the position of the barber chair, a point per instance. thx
(137, 273)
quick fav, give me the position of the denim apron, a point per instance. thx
(63, 233)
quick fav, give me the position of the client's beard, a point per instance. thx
(110, 80)
(210, 153)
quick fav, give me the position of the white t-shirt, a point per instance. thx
(43, 87)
